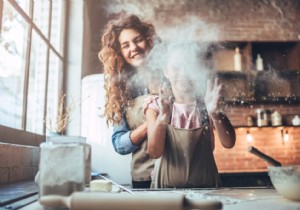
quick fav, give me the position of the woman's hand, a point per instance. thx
(212, 96)
(165, 103)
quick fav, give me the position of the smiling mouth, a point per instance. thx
(138, 55)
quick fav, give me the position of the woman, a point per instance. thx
(181, 122)
(125, 44)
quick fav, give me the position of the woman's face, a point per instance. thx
(134, 47)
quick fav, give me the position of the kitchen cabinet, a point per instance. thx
(278, 82)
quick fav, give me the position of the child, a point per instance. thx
(180, 126)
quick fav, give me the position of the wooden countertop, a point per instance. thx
(232, 198)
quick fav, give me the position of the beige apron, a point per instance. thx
(141, 165)
(187, 161)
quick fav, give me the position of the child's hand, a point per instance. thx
(147, 102)
(165, 103)
(212, 96)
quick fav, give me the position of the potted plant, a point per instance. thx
(57, 125)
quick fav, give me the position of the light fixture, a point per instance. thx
(249, 137)
(286, 136)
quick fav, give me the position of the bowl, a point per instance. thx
(286, 180)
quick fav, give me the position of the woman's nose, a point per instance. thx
(133, 47)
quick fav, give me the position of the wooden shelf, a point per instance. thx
(275, 55)
(280, 87)
(279, 83)
(267, 127)
(271, 100)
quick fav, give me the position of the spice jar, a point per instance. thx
(262, 117)
(296, 121)
(276, 119)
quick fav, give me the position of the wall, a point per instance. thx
(240, 20)
(19, 155)
(22, 164)
(250, 20)
(268, 140)
(73, 73)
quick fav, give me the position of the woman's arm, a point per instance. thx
(139, 134)
(126, 141)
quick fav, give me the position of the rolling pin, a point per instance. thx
(120, 201)
(263, 156)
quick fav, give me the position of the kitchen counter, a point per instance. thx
(232, 198)
(246, 179)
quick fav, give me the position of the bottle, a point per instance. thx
(237, 58)
(250, 122)
(276, 119)
(259, 63)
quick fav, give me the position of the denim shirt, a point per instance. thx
(121, 132)
(121, 138)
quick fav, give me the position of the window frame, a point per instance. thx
(1, 12)
(21, 136)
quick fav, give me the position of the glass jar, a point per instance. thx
(65, 165)
(262, 117)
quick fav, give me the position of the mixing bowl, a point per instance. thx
(286, 180)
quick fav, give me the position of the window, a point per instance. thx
(31, 62)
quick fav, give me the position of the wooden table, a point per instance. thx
(232, 198)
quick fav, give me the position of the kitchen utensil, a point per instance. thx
(124, 201)
(263, 156)
(286, 180)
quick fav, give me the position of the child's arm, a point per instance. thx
(156, 134)
(224, 129)
(157, 123)
(222, 124)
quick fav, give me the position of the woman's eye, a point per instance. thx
(125, 46)
(140, 39)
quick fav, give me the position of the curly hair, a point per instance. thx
(116, 70)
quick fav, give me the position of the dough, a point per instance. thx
(101, 185)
